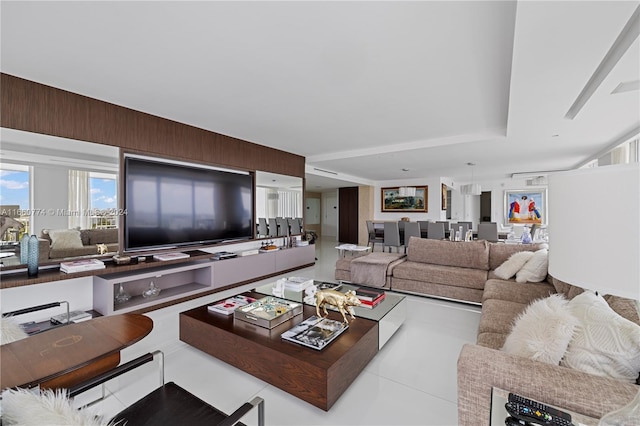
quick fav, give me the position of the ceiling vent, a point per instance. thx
(537, 181)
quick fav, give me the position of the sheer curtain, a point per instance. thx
(79, 199)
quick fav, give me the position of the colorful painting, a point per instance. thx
(526, 207)
(392, 201)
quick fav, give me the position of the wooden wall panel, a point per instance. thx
(33, 107)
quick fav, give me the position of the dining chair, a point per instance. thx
(263, 228)
(423, 228)
(373, 238)
(273, 227)
(411, 229)
(435, 230)
(283, 226)
(445, 223)
(391, 236)
(488, 231)
(294, 226)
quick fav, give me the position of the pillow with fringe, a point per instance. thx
(543, 331)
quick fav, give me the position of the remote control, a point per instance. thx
(528, 414)
(539, 406)
(512, 421)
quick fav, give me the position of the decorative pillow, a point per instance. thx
(513, 264)
(536, 268)
(10, 331)
(65, 238)
(605, 344)
(543, 331)
(28, 408)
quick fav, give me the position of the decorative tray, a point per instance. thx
(268, 312)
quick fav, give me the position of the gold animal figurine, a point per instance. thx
(342, 301)
(102, 248)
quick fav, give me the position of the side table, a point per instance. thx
(500, 397)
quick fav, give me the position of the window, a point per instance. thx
(15, 197)
(103, 200)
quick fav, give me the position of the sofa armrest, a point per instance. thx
(481, 368)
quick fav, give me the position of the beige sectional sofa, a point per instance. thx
(464, 271)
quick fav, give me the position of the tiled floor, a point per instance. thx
(411, 381)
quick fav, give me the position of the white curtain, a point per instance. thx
(79, 199)
(290, 203)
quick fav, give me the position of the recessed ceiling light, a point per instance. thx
(405, 170)
(555, 136)
(471, 164)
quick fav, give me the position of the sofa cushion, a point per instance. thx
(472, 295)
(512, 265)
(570, 291)
(605, 344)
(543, 331)
(65, 238)
(514, 292)
(438, 274)
(471, 254)
(103, 236)
(497, 317)
(500, 252)
(535, 270)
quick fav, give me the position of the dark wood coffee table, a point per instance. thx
(318, 377)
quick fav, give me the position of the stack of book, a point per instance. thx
(227, 306)
(370, 297)
(297, 283)
(81, 265)
(74, 316)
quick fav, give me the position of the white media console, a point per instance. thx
(177, 281)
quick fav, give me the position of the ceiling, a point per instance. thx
(362, 89)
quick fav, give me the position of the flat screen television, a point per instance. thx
(174, 204)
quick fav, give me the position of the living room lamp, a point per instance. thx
(590, 250)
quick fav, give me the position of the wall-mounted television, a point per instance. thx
(172, 204)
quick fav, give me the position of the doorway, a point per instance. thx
(485, 206)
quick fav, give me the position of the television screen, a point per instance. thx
(171, 204)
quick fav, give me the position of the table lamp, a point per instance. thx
(594, 239)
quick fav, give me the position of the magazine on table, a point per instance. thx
(369, 294)
(227, 306)
(314, 332)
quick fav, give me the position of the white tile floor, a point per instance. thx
(411, 381)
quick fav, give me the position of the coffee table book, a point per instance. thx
(227, 306)
(370, 304)
(81, 265)
(315, 333)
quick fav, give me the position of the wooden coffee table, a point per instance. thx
(318, 377)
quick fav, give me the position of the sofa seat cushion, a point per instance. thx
(438, 274)
(82, 251)
(523, 293)
(472, 295)
(471, 254)
(498, 316)
(102, 236)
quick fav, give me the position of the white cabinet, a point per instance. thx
(174, 282)
(177, 281)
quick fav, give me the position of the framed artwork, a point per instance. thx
(392, 201)
(444, 196)
(526, 206)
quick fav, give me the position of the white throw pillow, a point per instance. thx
(65, 239)
(605, 344)
(536, 268)
(543, 331)
(28, 408)
(513, 264)
(10, 331)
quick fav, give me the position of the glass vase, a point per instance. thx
(33, 253)
(629, 415)
(24, 249)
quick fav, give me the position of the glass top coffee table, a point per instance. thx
(390, 313)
